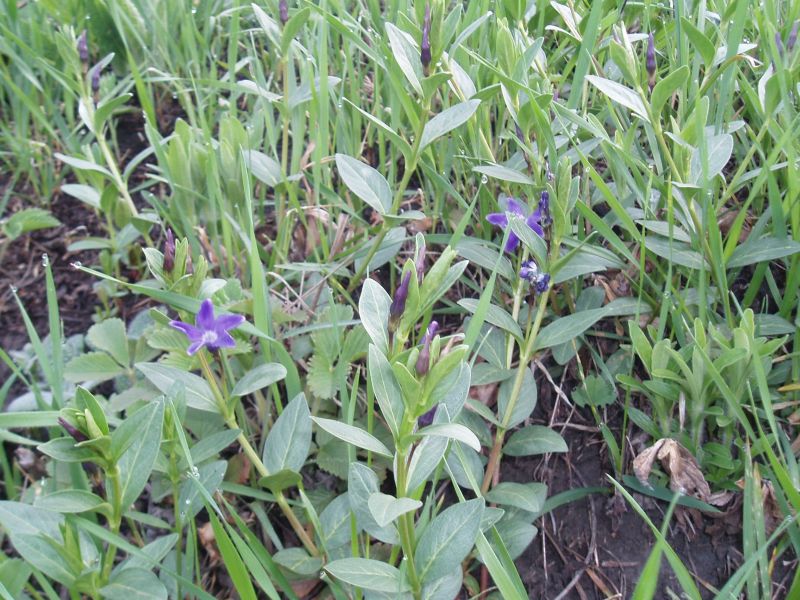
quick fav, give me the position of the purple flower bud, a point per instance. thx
(399, 302)
(779, 42)
(169, 252)
(518, 132)
(650, 60)
(427, 418)
(543, 283)
(76, 434)
(420, 263)
(425, 47)
(545, 218)
(283, 9)
(83, 48)
(792, 39)
(424, 359)
(95, 79)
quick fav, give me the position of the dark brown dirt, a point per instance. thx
(596, 547)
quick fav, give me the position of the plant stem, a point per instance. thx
(407, 525)
(524, 359)
(112, 475)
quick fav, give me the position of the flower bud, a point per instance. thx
(650, 61)
(398, 305)
(425, 47)
(283, 9)
(779, 42)
(545, 218)
(96, 79)
(76, 434)
(83, 48)
(169, 252)
(419, 264)
(792, 39)
(427, 418)
(424, 359)
(529, 271)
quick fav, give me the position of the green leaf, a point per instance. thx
(39, 552)
(362, 482)
(264, 168)
(494, 315)
(281, 480)
(503, 173)
(365, 182)
(110, 336)
(385, 509)
(64, 449)
(27, 220)
(82, 165)
(407, 56)
(85, 193)
(534, 439)
(595, 391)
(762, 250)
(447, 120)
(137, 462)
(529, 237)
(353, 435)
(258, 378)
(335, 522)
(92, 366)
(71, 501)
(444, 588)
(132, 584)
(232, 561)
(426, 457)
(717, 154)
(526, 400)
(373, 309)
(620, 94)
(666, 87)
(298, 561)
(130, 429)
(289, 439)
(699, 40)
(453, 431)
(292, 27)
(526, 496)
(387, 390)
(198, 393)
(368, 574)
(448, 539)
(677, 252)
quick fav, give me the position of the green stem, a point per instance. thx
(112, 475)
(407, 525)
(524, 359)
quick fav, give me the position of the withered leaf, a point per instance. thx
(684, 472)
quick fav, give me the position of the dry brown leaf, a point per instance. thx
(684, 472)
(206, 536)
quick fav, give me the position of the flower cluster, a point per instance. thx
(530, 272)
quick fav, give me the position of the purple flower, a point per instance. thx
(208, 331)
(529, 271)
(424, 359)
(792, 40)
(517, 210)
(425, 46)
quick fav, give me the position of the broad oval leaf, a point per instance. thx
(373, 309)
(534, 439)
(503, 173)
(448, 539)
(529, 497)
(453, 431)
(406, 55)
(620, 94)
(762, 250)
(198, 393)
(368, 574)
(353, 435)
(387, 390)
(365, 182)
(258, 378)
(385, 508)
(134, 584)
(289, 439)
(447, 120)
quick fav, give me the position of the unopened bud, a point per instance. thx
(96, 79)
(283, 9)
(398, 305)
(424, 359)
(76, 434)
(650, 61)
(779, 42)
(545, 217)
(419, 264)
(83, 47)
(425, 47)
(169, 252)
(427, 418)
(792, 39)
